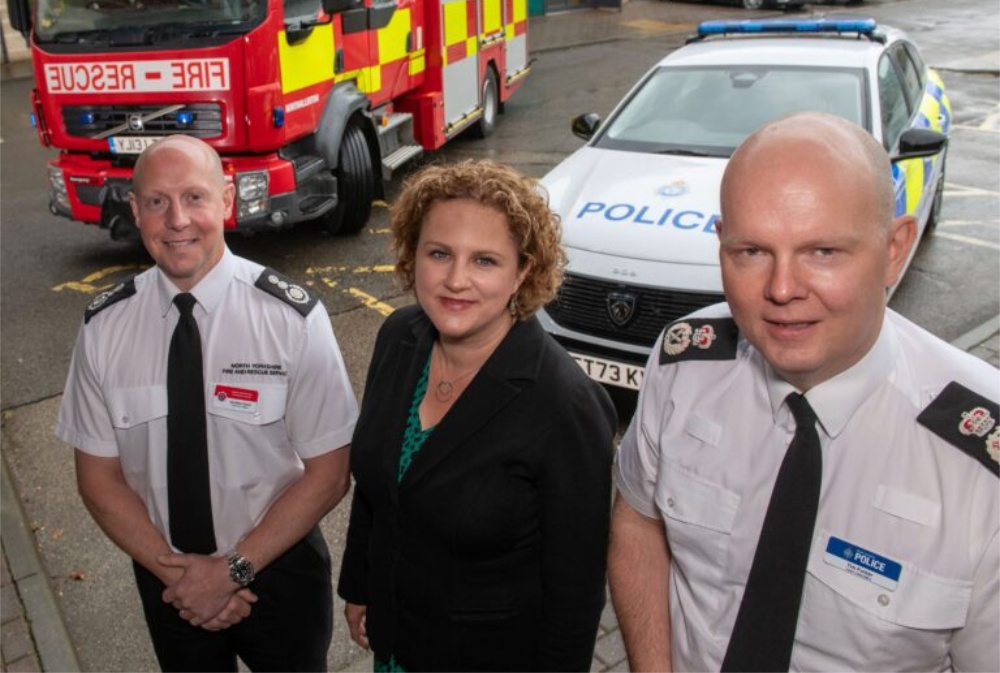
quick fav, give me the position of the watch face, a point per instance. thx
(241, 571)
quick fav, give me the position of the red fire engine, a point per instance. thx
(312, 104)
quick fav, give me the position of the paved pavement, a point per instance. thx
(33, 632)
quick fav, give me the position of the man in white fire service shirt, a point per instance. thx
(211, 414)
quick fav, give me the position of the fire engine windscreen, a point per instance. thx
(132, 22)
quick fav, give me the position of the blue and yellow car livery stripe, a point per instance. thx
(911, 178)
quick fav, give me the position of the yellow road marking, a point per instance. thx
(379, 268)
(329, 283)
(86, 286)
(371, 302)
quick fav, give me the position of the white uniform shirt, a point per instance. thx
(702, 454)
(276, 391)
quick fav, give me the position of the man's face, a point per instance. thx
(805, 263)
(180, 208)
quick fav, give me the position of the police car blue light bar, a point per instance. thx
(862, 26)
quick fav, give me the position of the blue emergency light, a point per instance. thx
(185, 118)
(861, 26)
(87, 118)
(34, 120)
(278, 115)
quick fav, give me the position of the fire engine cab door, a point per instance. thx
(460, 21)
(516, 44)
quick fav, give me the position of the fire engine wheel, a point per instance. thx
(355, 184)
(491, 106)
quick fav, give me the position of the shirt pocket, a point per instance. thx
(139, 416)
(253, 404)
(133, 407)
(903, 628)
(699, 516)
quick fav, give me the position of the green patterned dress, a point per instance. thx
(413, 440)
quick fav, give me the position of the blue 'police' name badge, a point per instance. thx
(862, 563)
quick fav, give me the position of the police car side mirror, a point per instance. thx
(916, 143)
(585, 126)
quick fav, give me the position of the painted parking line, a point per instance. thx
(371, 302)
(966, 239)
(87, 284)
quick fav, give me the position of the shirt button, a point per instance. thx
(670, 503)
(883, 600)
(125, 419)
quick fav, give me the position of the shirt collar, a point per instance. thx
(835, 401)
(209, 289)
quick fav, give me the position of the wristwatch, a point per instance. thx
(240, 569)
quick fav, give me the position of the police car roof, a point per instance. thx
(806, 49)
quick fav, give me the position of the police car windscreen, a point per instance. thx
(711, 110)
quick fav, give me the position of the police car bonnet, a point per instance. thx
(639, 206)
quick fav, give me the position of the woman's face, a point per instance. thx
(466, 270)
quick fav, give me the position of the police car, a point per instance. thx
(640, 200)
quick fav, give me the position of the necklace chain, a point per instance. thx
(445, 388)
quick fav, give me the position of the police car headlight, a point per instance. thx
(251, 194)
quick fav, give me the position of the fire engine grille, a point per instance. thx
(202, 120)
(582, 305)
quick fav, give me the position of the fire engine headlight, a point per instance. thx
(58, 183)
(251, 194)
(56, 180)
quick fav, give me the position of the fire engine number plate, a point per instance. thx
(130, 144)
(606, 371)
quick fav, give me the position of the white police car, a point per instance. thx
(639, 202)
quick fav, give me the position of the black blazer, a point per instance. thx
(491, 553)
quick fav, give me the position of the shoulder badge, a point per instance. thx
(106, 299)
(967, 420)
(699, 339)
(287, 290)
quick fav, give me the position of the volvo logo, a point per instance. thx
(135, 122)
(621, 308)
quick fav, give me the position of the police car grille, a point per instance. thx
(582, 306)
(90, 120)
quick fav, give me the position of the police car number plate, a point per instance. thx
(610, 372)
(130, 144)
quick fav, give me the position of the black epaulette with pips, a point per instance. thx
(287, 290)
(699, 339)
(968, 421)
(105, 299)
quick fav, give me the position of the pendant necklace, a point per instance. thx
(444, 388)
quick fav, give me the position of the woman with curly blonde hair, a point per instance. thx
(482, 455)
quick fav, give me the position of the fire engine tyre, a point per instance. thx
(491, 106)
(355, 184)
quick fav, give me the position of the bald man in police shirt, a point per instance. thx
(278, 415)
(901, 572)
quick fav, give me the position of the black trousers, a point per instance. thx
(289, 627)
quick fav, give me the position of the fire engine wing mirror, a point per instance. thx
(19, 13)
(916, 143)
(336, 6)
(585, 126)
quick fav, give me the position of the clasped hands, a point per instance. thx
(203, 593)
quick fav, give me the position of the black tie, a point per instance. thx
(765, 625)
(188, 494)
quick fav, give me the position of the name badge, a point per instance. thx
(244, 400)
(864, 564)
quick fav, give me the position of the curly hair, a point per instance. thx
(534, 228)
